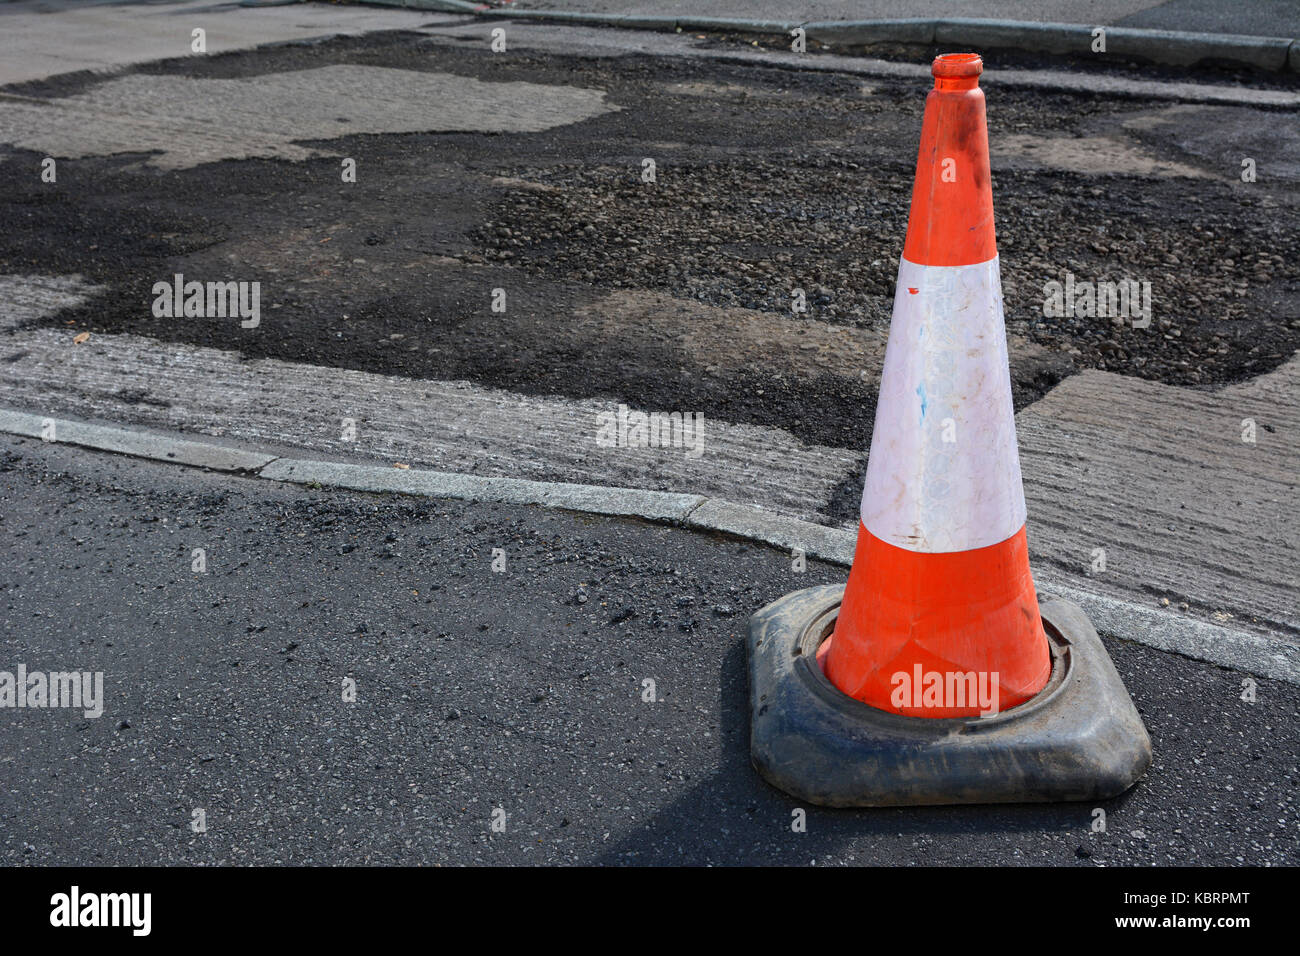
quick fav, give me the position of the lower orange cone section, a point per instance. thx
(949, 634)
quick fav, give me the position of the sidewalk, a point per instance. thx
(1028, 33)
(1255, 18)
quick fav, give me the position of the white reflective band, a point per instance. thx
(944, 473)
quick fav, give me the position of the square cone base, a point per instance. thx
(1079, 738)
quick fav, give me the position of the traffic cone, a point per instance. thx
(934, 676)
(940, 584)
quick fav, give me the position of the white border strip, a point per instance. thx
(944, 472)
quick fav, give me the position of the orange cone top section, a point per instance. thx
(951, 223)
(926, 628)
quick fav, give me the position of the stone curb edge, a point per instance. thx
(1226, 647)
(1164, 47)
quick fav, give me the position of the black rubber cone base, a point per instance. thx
(1080, 738)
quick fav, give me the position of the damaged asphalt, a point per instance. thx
(767, 180)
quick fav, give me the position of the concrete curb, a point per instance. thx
(1164, 47)
(432, 6)
(138, 444)
(1167, 47)
(756, 524)
(1165, 630)
(1240, 650)
(592, 499)
(839, 33)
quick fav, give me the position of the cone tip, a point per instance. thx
(953, 65)
(957, 72)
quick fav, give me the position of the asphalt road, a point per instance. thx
(477, 690)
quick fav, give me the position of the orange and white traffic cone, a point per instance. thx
(940, 583)
(934, 676)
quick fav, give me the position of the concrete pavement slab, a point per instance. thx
(1260, 17)
(1181, 494)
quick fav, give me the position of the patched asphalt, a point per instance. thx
(478, 690)
(767, 180)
